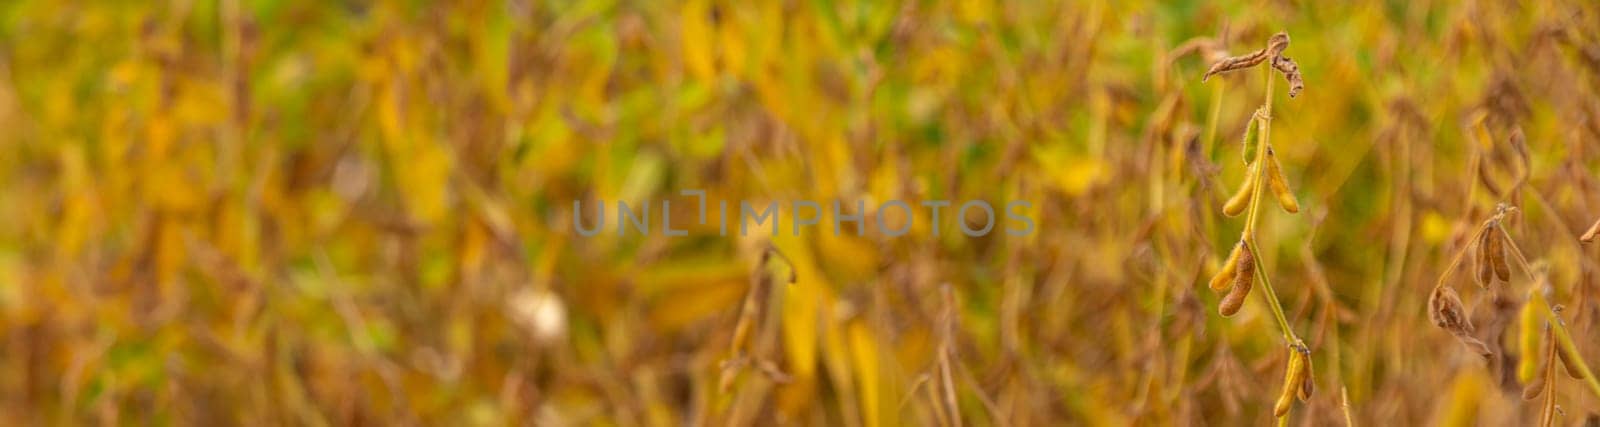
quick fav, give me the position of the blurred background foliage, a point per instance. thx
(298, 212)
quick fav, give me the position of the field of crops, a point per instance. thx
(279, 212)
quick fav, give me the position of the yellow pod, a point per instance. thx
(1241, 199)
(1528, 343)
(1292, 380)
(1279, 185)
(1220, 282)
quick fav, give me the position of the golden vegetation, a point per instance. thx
(222, 212)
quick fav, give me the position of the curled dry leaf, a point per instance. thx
(1275, 46)
(1446, 311)
(1291, 72)
(1450, 315)
(1272, 54)
(1278, 43)
(1444, 308)
(1234, 63)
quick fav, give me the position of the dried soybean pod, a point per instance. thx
(1497, 255)
(1241, 199)
(1484, 270)
(1279, 185)
(1571, 368)
(1533, 389)
(1224, 277)
(1243, 279)
(1307, 383)
(1566, 363)
(1588, 236)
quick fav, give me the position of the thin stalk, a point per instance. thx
(1547, 413)
(1563, 337)
(1272, 300)
(1567, 345)
(1456, 261)
(1216, 113)
(1344, 406)
(1259, 165)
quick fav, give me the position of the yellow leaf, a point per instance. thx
(865, 350)
(425, 181)
(696, 32)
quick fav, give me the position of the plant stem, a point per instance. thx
(1216, 113)
(1456, 261)
(1259, 168)
(1567, 345)
(1563, 337)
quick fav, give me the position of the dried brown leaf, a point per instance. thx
(1444, 308)
(1291, 72)
(1275, 46)
(1446, 311)
(1235, 63)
